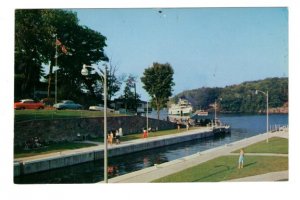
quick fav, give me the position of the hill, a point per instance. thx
(241, 98)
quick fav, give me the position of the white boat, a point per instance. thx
(182, 108)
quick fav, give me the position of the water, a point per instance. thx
(243, 126)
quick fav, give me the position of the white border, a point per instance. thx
(141, 191)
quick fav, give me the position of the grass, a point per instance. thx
(275, 145)
(225, 168)
(53, 148)
(151, 134)
(24, 115)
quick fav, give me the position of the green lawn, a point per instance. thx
(23, 115)
(275, 145)
(225, 168)
(155, 134)
(151, 134)
(19, 152)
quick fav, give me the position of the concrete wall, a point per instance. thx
(67, 129)
(68, 160)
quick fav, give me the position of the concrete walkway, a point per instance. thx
(164, 169)
(273, 176)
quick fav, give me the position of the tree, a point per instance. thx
(35, 44)
(130, 97)
(158, 82)
(30, 36)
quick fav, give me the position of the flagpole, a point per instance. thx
(56, 67)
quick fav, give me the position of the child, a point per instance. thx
(241, 159)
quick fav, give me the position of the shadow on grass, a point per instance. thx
(249, 164)
(227, 169)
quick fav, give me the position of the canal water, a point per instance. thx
(242, 126)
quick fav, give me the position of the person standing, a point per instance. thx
(117, 137)
(120, 131)
(241, 159)
(178, 125)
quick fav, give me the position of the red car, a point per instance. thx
(28, 104)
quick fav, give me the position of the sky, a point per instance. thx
(207, 47)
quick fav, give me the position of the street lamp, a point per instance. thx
(85, 72)
(147, 116)
(267, 100)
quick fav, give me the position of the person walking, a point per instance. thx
(241, 159)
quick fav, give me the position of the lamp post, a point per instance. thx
(85, 72)
(56, 67)
(147, 117)
(267, 101)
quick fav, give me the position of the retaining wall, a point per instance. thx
(58, 130)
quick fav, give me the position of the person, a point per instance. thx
(241, 159)
(178, 125)
(110, 137)
(120, 131)
(145, 134)
(188, 124)
(117, 137)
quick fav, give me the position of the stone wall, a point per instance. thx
(67, 129)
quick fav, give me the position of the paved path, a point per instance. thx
(164, 169)
(273, 176)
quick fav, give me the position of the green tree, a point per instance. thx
(30, 37)
(158, 82)
(35, 34)
(130, 97)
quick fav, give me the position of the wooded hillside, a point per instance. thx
(241, 97)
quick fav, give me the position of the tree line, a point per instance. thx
(240, 98)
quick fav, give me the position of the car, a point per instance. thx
(67, 104)
(100, 108)
(28, 104)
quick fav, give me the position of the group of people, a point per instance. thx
(187, 124)
(33, 143)
(115, 135)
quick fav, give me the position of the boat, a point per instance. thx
(182, 108)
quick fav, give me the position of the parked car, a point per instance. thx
(100, 108)
(67, 104)
(28, 104)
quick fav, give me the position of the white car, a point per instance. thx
(67, 104)
(100, 108)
